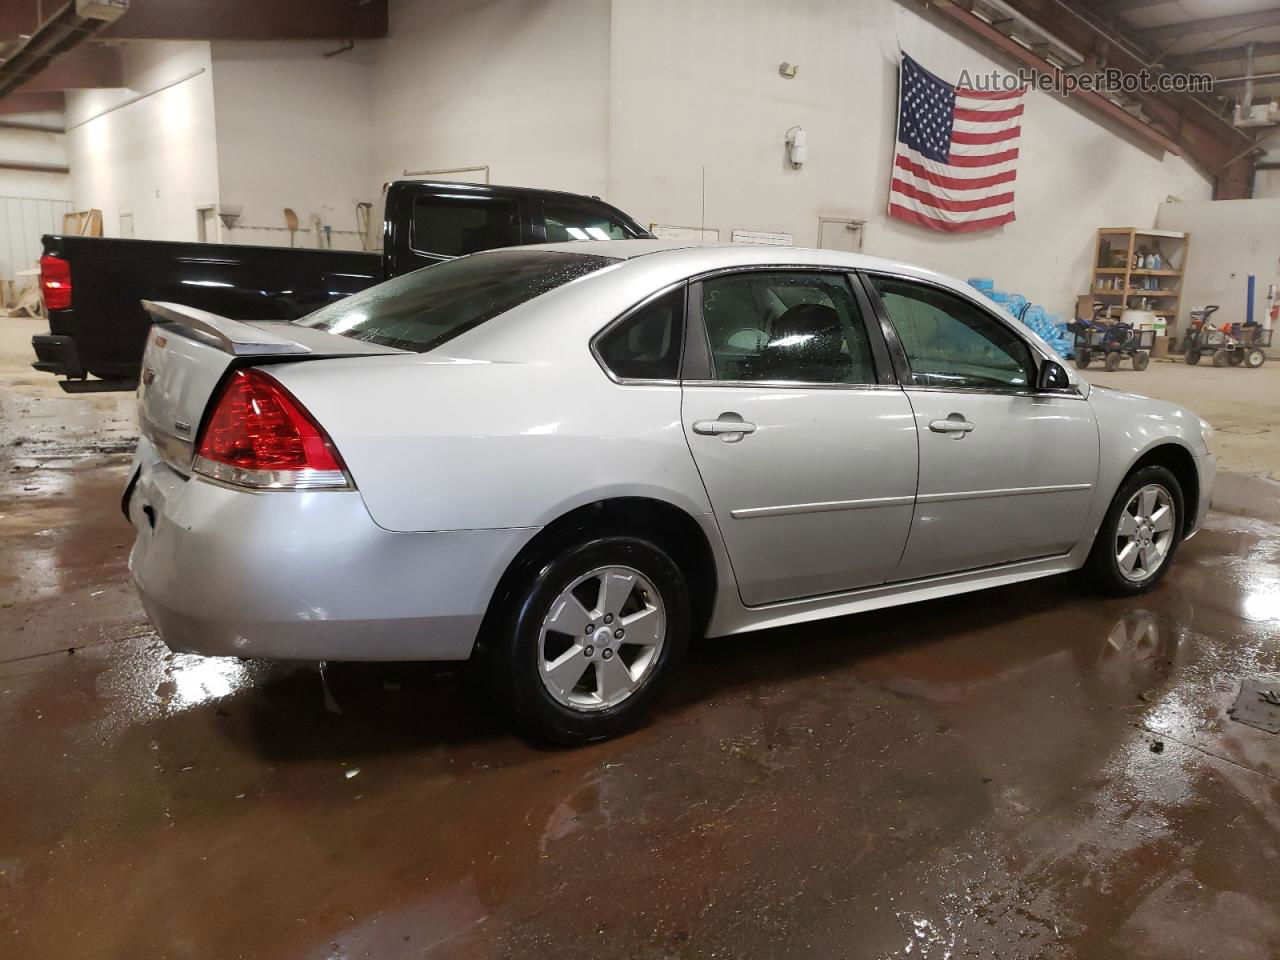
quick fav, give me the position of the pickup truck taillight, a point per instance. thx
(260, 436)
(55, 282)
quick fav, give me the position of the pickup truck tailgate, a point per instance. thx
(187, 354)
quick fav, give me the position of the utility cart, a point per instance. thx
(1111, 342)
(1233, 344)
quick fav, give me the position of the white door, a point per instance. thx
(1006, 473)
(835, 233)
(809, 462)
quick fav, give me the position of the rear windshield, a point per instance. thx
(421, 310)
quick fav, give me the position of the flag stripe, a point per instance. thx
(998, 136)
(951, 170)
(970, 93)
(902, 188)
(953, 183)
(988, 116)
(949, 226)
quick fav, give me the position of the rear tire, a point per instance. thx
(1134, 548)
(1083, 357)
(1141, 359)
(1220, 357)
(529, 660)
(1235, 358)
(1113, 361)
(1192, 356)
(1254, 357)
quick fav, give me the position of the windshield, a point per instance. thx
(421, 310)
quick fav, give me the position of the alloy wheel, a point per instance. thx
(601, 638)
(1145, 533)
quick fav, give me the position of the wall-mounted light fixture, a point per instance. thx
(797, 146)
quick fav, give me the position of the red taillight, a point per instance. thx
(259, 435)
(55, 282)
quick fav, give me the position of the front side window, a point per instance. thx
(950, 342)
(646, 345)
(786, 326)
(455, 224)
(567, 221)
(421, 310)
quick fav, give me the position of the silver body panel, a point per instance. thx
(461, 455)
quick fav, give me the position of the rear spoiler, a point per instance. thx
(230, 336)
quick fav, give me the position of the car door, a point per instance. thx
(806, 446)
(1006, 472)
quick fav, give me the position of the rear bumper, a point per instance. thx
(303, 575)
(57, 354)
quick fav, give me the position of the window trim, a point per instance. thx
(627, 315)
(880, 357)
(899, 353)
(522, 223)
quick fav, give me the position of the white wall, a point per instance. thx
(1230, 239)
(157, 157)
(520, 85)
(697, 84)
(294, 130)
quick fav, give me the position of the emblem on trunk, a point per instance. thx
(182, 426)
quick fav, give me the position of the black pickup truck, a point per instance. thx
(93, 286)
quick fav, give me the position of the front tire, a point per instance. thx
(1083, 357)
(588, 638)
(1192, 356)
(1112, 363)
(1254, 357)
(1140, 360)
(1139, 534)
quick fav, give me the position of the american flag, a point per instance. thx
(956, 155)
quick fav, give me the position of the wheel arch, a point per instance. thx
(1179, 461)
(667, 526)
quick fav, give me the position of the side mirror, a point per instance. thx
(1053, 376)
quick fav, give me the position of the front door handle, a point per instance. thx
(729, 427)
(955, 424)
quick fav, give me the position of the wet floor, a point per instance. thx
(1026, 772)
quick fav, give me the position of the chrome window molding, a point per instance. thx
(792, 385)
(626, 315)
(1011, 325)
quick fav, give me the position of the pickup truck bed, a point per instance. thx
(100, 334)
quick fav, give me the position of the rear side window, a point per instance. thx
(455, 224)
(568, 221)
(646, 345)
(421, 310)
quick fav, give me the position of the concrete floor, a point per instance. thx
(1027, 772)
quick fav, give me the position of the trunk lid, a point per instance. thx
(188, 353)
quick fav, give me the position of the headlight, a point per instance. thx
(1206, 434)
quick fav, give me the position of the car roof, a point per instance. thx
(697, 258)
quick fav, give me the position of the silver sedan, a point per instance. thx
(563, 461)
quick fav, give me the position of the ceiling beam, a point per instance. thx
(18, 18)
(87, 66)
(1234, 21)
(1225, 54)
(31, 103)
(1120, 6)
(976, 25)
(251, 20)
(1207, 138)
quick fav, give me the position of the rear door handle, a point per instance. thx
(956, 425)
(729, 427)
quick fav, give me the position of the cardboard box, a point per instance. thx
(1159, 347)
(1084, 306)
